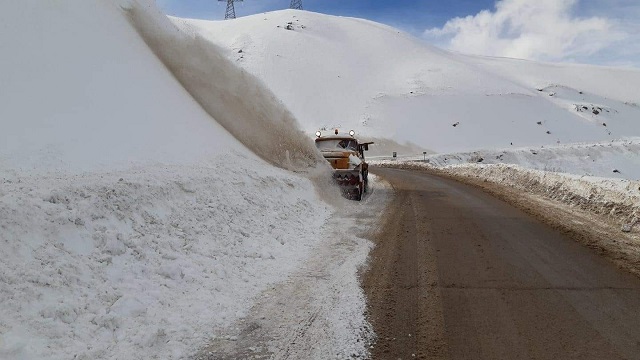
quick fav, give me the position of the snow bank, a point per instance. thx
(616, 159)
(618, 199)
(144, 263)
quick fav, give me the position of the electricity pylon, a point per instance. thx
(296, 4)
(231, 10)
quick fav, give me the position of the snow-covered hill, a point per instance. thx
(352, 73)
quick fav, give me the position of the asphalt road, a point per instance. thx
(458, 274)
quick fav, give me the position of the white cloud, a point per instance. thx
(537, 30)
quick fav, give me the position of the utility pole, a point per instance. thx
(231, 10)
(296, 4)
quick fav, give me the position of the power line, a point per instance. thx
(231, 10)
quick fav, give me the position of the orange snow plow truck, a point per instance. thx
(346, 155)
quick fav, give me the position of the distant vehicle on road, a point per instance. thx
(346, 155)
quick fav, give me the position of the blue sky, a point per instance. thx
(604, 32)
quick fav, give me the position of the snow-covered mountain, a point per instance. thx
(355, 74)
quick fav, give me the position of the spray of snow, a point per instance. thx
(235, 98)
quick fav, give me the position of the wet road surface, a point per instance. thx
(458, 274)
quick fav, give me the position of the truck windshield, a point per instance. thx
(337, 144)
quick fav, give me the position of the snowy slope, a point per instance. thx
(351, 73)
(133, 225)
(620, 84)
